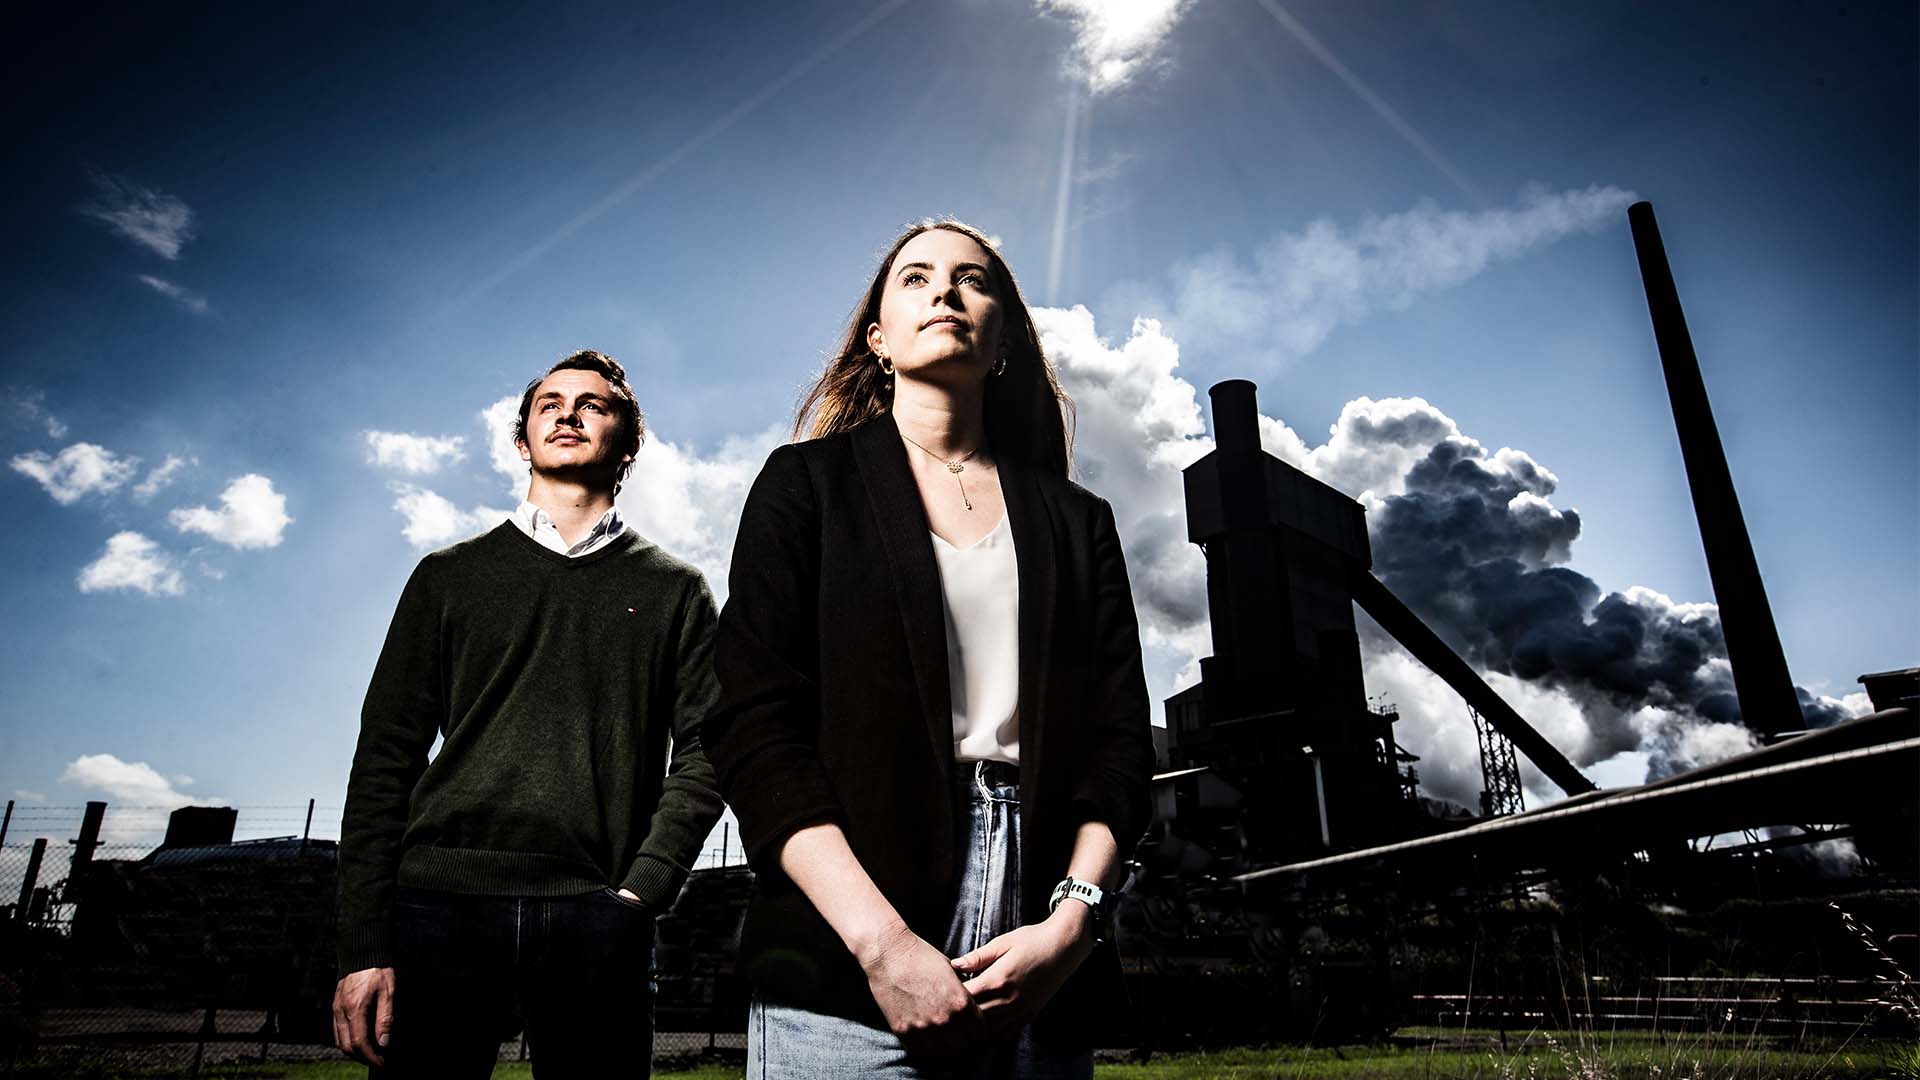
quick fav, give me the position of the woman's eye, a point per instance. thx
(913, 277)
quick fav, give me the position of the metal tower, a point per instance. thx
(1499, 770)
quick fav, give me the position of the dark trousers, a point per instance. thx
(573, 972)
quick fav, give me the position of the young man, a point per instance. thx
(513, 879)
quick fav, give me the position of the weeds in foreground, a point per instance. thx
(1897, 991)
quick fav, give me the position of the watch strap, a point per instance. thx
(1084, 891)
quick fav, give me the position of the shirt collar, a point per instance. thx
(537, 523)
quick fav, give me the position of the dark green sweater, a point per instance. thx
(556, 684)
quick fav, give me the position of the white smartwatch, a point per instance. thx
(1084, 891)
(1091, 895)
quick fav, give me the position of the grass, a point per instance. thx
(1541, 1056)
(1427, 1054)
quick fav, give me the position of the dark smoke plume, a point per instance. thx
(1473, 546)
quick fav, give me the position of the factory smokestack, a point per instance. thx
(1236, 416)
(1229, 514)
(1767, 701)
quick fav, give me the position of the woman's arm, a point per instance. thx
(763, 733)
(1113, 784)
(763, 737)
(916, 989)
(1017, 973)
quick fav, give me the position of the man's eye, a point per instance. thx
(548, 407)
(593, 406)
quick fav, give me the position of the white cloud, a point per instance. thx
(502, 454)
(160, 476)
(1855, 704)
(24, 795)
(179, 294)
(78, 471)
(434, 522)
(152, 219)
(419, 455)
(690, 504)
(133, 562)
(251, 515)
(1373, 444)
(1116, 41)
(32, 407)
(131, 783)
(1299, 286)
(1137, 426)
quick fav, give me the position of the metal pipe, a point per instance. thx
(1760, 678)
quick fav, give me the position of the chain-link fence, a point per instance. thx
(144, 937)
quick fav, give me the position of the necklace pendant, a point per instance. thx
(956, 467)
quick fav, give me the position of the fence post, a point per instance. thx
(83, 852)
(8, 820)
(33, 878)
(308, 830)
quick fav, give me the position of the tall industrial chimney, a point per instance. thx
(1228, 515)
(1767, 702)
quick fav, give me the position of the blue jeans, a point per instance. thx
(788, 1043)
(573, 972)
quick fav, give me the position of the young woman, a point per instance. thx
(933, 722)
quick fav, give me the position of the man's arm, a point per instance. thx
(404, 708)
(689, 801)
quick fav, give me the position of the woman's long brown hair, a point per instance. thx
(1028, 417)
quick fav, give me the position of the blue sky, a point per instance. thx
(244, 240)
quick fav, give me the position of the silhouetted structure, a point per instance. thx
(1499, 772)
(1281, 710)
(1768, 704)
(1280, 718)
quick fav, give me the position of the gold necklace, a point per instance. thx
(956, 466)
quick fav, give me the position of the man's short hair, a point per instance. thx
(633, 425)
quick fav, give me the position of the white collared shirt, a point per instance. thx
(536, 523)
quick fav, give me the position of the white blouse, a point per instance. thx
(980, 585)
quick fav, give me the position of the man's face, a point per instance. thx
(572, 428)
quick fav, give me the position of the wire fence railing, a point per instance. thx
(158, 937)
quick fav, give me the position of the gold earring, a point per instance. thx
(886, 363)
(999, 366)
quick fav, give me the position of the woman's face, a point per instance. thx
(940, 314)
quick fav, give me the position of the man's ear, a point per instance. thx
(525, 454)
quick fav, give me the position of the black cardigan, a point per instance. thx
(834, 706)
